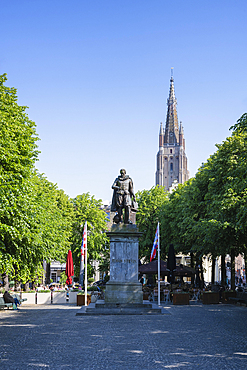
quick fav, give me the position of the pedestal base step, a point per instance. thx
(119, 309)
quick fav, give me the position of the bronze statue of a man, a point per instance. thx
(123, 197)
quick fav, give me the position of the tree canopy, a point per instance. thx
(87, 208)
(150, 203)
(35, 217)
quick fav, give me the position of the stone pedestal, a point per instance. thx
(123, 286)
(123, 294)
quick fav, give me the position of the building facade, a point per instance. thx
(171, 157)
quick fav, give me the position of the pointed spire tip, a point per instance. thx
(172, 73)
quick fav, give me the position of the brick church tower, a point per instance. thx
(171, 157)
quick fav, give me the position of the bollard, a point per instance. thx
(51, 296)
(36, 298)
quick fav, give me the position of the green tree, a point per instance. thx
(241, 125)
(41, 225)
(18, 148)
(148, 216)
(104, 265)
(18, 153)
(87, 208)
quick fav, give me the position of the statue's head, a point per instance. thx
(123, 172)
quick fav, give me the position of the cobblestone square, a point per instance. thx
(189, 337)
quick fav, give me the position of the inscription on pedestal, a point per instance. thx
(125, 261)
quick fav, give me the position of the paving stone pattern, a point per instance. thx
(189, 337)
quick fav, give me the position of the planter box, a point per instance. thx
(29, 296)
(44, 298)
(60, 297)
(72, 297)
(226, 295)
(242, 296)
(81, 299)
(181, 298)
(145, 296)
(210, 297)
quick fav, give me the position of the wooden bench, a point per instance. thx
(4, 305)
(241, 297)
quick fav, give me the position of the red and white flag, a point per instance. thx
(84, 241)
(83, 252)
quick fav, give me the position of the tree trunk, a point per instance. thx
(5, 281)
(48, 273)
(202, 275)
(213, 271)
(17, 286)
(232, 270)
(192, 265)
(223, 270)
(198, 281)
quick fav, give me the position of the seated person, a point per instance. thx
(9, 299)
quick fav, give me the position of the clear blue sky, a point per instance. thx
(95, 76)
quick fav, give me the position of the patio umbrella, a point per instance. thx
(152, 268)
(183, 270)
(69, 268)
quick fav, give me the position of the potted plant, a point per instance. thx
(227, 294)
(210, 297)
(180, 298)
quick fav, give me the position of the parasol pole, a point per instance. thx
(158, 263)
(85, 251)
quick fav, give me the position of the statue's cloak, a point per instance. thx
(114, 197)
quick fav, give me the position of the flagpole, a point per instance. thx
(158, 263)
(85, 273)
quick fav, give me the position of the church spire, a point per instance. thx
(171, 129)
(171, 157)
(181, 136)
(161, 136)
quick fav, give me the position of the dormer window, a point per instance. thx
(171, 151)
